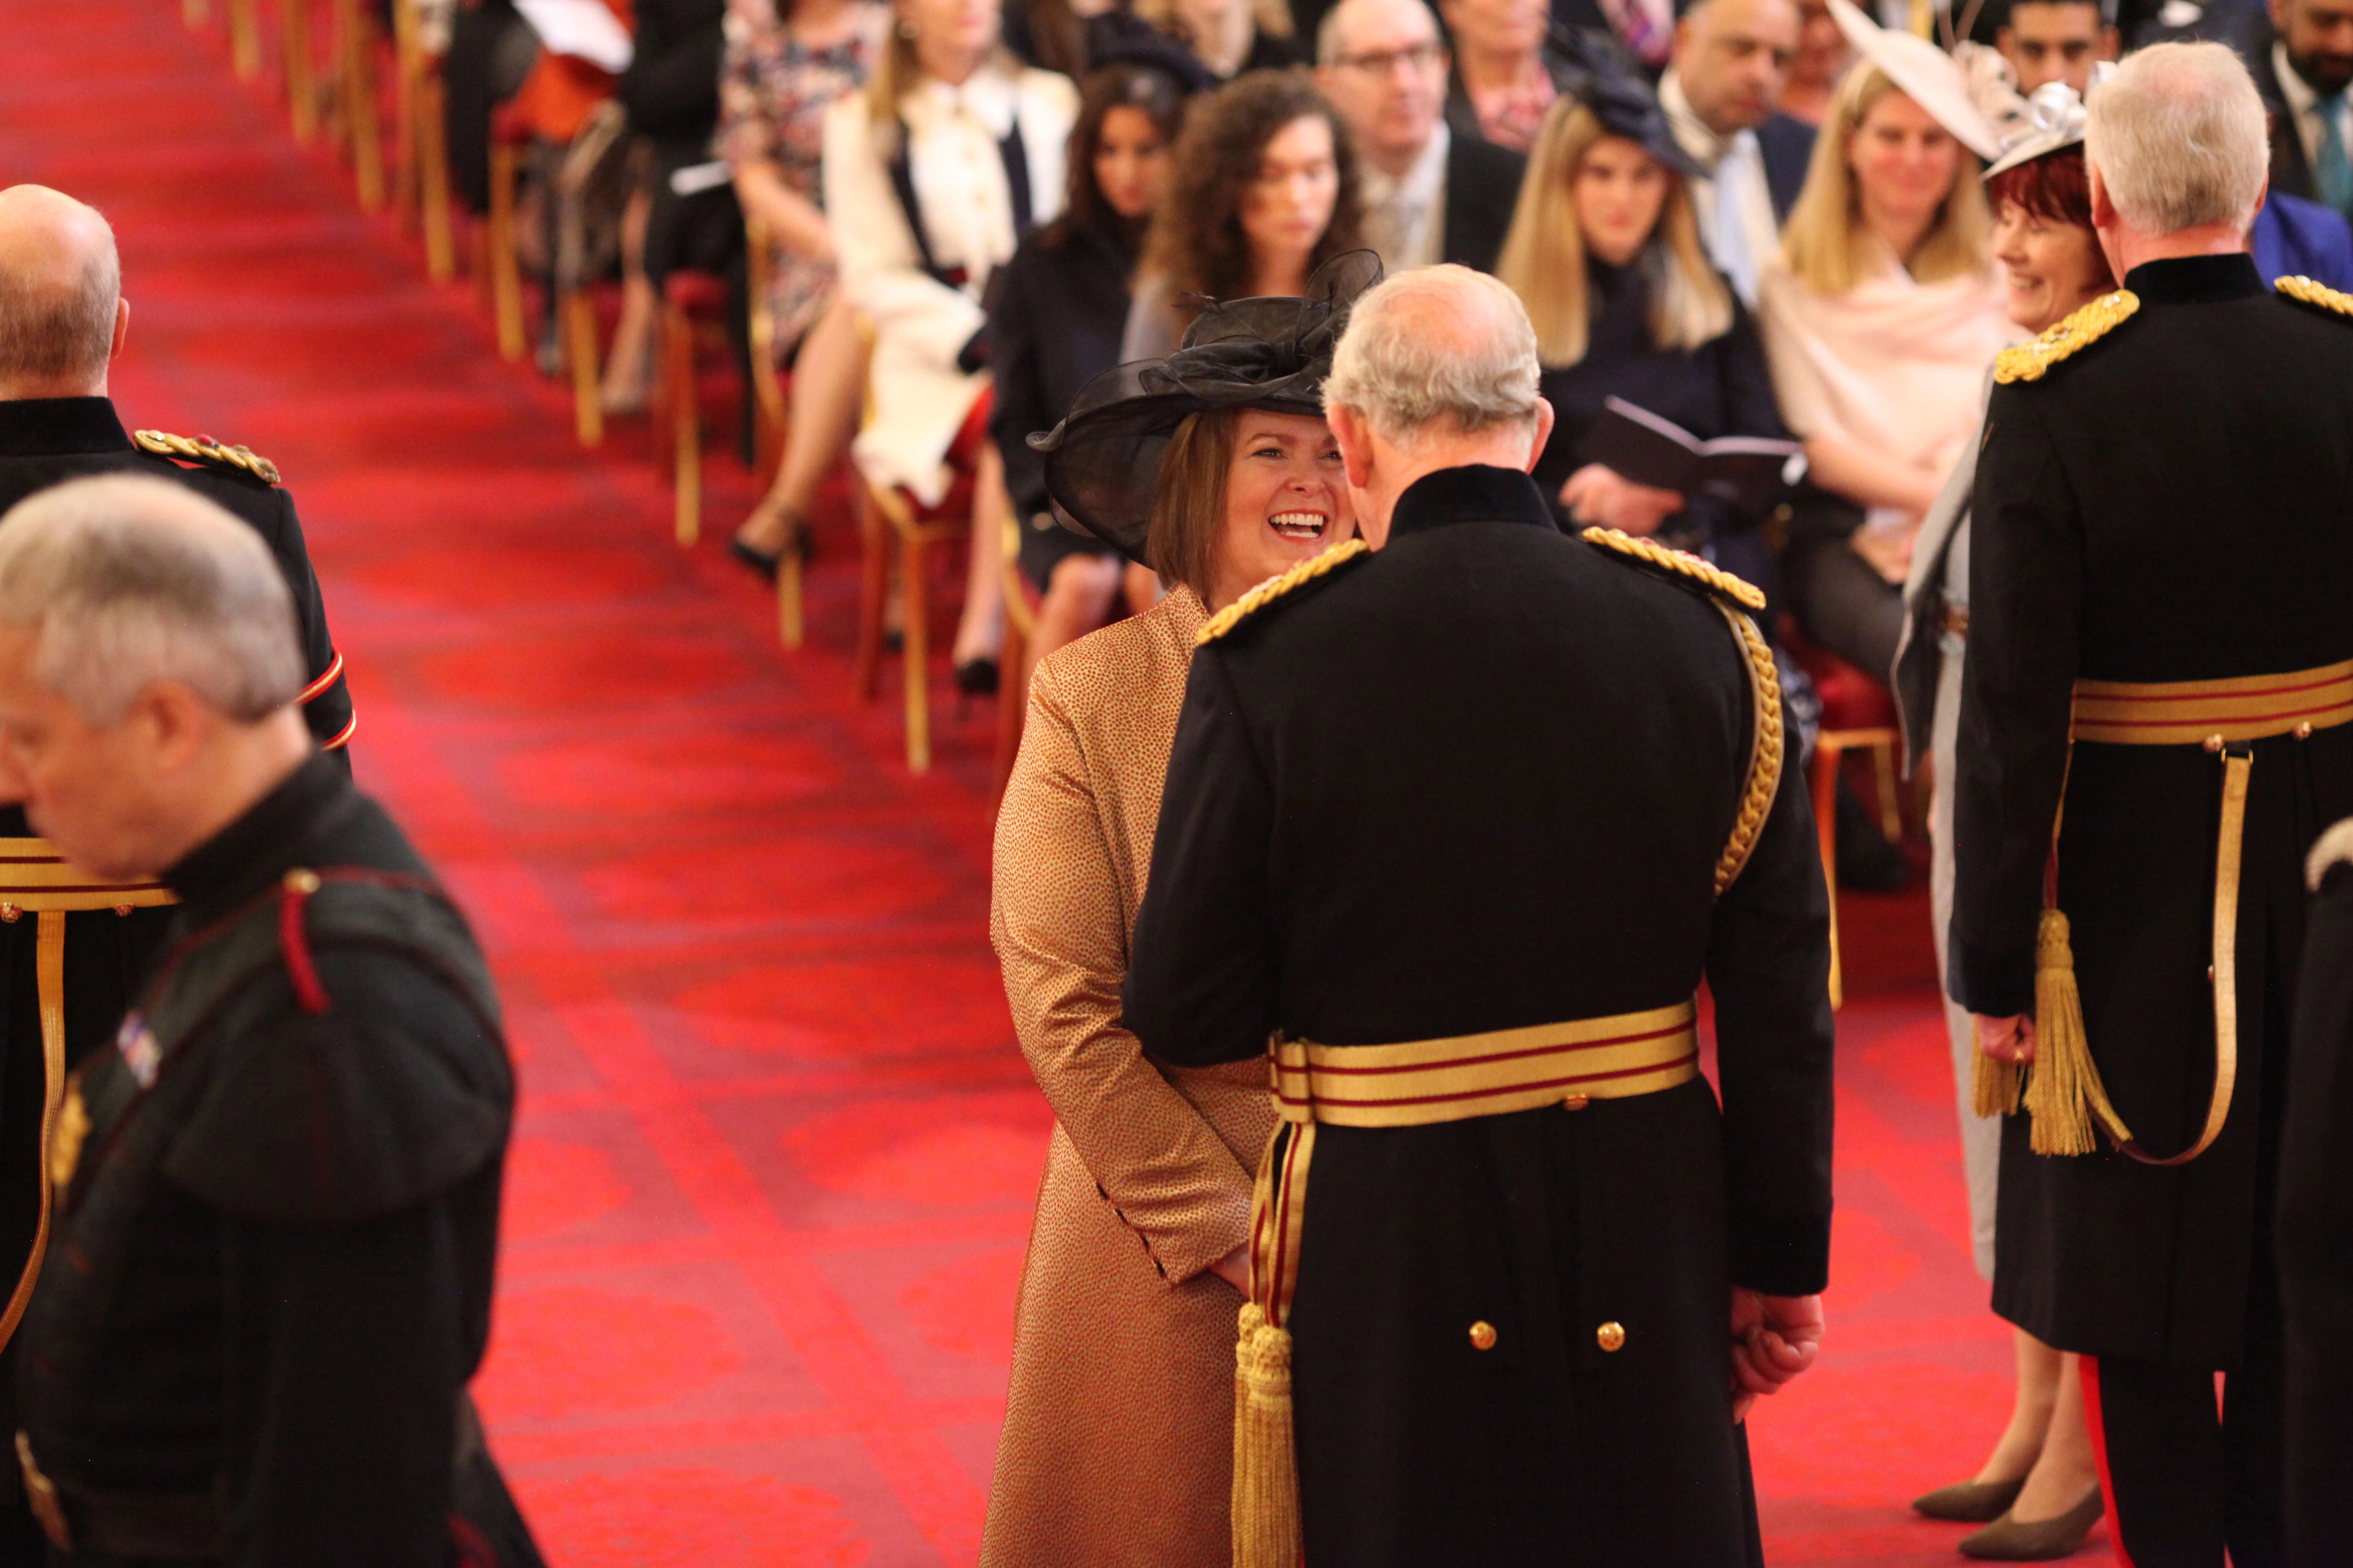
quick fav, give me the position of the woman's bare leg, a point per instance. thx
(2040, 1370)
(828, 396)
(981, 629)
(628, 368)
(2066, 1472)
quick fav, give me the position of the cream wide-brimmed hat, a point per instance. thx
(1924, 73)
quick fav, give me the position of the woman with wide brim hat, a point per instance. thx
(1213, 466)
(2037, 1493)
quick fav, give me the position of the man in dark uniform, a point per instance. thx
(62, 322)
(2316, 1221)
(1463, 824)
(2161, 569)
(279, 1195)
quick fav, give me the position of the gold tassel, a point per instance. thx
(1993, 1089)
(1266, 1465)
(2064, 1079)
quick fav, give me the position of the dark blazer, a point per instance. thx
(1787, 144)
(2316, 1224)
(2166, 504)
(2291, 170)
(1406, 802)
(1483, 187)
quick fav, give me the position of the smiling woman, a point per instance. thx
(1244, 496)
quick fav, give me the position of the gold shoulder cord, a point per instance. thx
(1742, 594)
(2027, 361)
(1275, 588)
(1765, 749)
(2305, 291)
(205, 450)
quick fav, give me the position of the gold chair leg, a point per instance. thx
(506, 275)
(579, 315)
(874, 592)
(302, 80)
(406, 63)
(355, 48)
(1823, 778)
(1890, 805)
(917, 657)
(790, 631)
(245, 39)
(433, 178)
(685, 426)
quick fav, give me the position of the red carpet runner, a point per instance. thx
(777, 1146)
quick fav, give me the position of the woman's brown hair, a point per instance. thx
(1127, 85)
(1826, 242)
(1197, 241)
(1188, 501)
(2056, 188)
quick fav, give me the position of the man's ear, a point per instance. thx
(1542, 433)
(1354, 435)
(174, 724)
(2103, 210)
(121, 329)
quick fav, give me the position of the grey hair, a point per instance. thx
(2180, 139)
(1439, 349)
(128, 581)
(47, 334)
(1327, 31)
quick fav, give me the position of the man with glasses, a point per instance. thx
(1429, 195)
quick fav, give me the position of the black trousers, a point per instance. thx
(1842, 603)
(2187, 1480)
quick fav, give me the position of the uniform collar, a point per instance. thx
(271, 839)
(2195, 279)
(60, 426)
(1477, 493)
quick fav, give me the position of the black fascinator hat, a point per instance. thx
(1104, 459)
(1604, 78)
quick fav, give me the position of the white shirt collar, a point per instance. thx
(1422, 183)
(987, 96)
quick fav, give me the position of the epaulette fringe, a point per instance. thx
(205, 450)
(2080, 330)
(1275, 588)
(1741, 595)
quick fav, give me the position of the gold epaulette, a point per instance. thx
(2319, 296)
(211, 453)
(2079, 332)
(1741, 594)
(1275, 588)
(2330, 849)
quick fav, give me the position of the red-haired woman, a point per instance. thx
(2040, 1489)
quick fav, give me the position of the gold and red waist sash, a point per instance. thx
(1419, 1083)
(36, 880)
(2225, 717)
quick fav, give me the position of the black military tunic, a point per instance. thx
(46, 442)
(271, 1272)
(1477, 780)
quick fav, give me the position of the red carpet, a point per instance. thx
(777, 1146)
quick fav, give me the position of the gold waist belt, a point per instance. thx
(34, 879)
(2225, 717)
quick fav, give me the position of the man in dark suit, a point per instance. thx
(1430, 195)
(62, 321)
(1412, 847)
(1732, 58)
(2303, 74)
(2157, 642)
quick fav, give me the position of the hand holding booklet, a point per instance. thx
(1748, 472)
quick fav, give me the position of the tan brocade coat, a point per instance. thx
(1118, 1440)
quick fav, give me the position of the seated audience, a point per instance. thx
(1880, 317)
(1229, 37)
(1504, 76)
(784, 70)
(1730, 59)
(931, 174)
(1645, 28)
(1053, 35)
(2302, 73)
(1606, 255)
(1429, 195)
(2056, 40)
(1263, 193)
(1060, 307)
(1821, 59)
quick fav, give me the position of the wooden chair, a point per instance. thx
(1858, 714)
(420, 152)
(500, 270)
(245, 39)
(300, 67)
(355, 76)
(1012, 660)
(694, 306)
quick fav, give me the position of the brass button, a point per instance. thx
(122, 909)
(11, 913)
(1575, 1102)
(1483, 1335)
(302, 880)
(2304, 730)
(2213, 742)
(1611, 1337)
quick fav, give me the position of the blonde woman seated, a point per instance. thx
(1880, 317)
(1215, 468)
(1605, 252)
(933, 174)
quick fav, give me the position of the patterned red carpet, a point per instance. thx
(777, 1147)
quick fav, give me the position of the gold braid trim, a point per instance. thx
(1765, 751)
(2027, 361)
(205, 450)
(1743, 595)
(1275, 588)
(2305, 291)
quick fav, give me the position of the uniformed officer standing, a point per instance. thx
(2161, 572)
(1463, 825)
(279, 1193)
(62, 320)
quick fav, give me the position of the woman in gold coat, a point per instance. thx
(1215, 468)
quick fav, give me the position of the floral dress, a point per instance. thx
(773, 94)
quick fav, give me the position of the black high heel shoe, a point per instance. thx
(976, 677)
